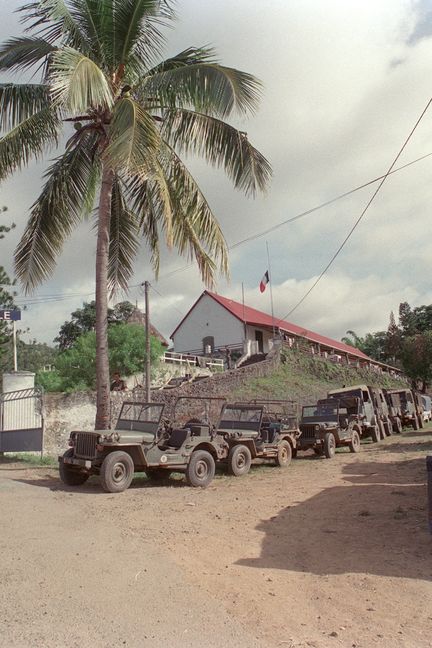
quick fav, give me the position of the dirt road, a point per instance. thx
(322, 554)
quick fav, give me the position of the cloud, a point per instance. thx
(335, 110)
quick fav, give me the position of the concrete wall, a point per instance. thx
(208, 318)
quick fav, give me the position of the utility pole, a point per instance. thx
(147, 341)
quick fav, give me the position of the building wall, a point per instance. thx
(267, 336)
(208, 318)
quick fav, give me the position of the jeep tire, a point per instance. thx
(415, 423)
(329, 445)
(200, 469)
(284, 454)
(69, 475)
(116, 472)
(397, 425)
(239, 460)
(375, 435)
(354, 444)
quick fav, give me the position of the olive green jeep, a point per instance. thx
(143, 441)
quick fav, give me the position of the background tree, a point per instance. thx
(406, 320)
(76, 366)
(83, 320)
(393, 341)
(133, 118)
(6, 302)
(417, 358)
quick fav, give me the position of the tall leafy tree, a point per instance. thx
(133, 117)
(83, 320)
(417, 358)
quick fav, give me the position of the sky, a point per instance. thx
(343, 84)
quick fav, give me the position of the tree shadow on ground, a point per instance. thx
(376, 523)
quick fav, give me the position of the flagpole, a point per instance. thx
(244, 317)
(271, 289)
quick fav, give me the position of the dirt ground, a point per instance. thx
(321, 554)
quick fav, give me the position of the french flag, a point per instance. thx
(264, 281)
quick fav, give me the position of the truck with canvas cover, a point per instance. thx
(405, 403)
(143, 441)
(330, 424)
(265, 430)
(369, 417)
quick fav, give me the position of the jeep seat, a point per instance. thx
(178, 437)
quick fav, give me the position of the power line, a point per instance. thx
(368, 204)
(258, 235)
(61, 297)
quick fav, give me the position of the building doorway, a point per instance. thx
(259, 338)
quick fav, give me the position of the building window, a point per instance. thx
(208, 344)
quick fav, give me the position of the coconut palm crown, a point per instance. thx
(128, 118)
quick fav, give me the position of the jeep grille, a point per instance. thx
(85, 445)
(307, 431)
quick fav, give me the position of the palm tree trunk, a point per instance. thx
(102, 362)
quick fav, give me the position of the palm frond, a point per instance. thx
(189, 56)
(56, 212)
(221, 145)
(18, 102)
(134, 138)
(193, 217)
(206, 86)
(78, 83)
(136, 30)
(28, 139)
(24, 52)
(123, 245)
(55, 22)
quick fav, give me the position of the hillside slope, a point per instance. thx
(306, 378)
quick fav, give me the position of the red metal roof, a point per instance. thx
(258, 318)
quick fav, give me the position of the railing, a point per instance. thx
(185, 359)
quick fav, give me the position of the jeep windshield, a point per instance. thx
(140, 417)
(323, 411)
(238, 417)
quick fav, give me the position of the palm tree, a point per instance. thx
(132, 118)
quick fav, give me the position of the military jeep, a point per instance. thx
(371, 424)
(142, 441)
(331, 423)
(258, 430)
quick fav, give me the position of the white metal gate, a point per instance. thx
(21, 421)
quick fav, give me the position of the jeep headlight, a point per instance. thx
(317, 428)
(72, 439)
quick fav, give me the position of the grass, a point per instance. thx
(29, 458)
(306, 378)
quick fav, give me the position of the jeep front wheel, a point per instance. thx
(329, 445)
(116, 472)
(200, 469)
(284, 454)
(69, 475)
(375, 434)
(239, 460)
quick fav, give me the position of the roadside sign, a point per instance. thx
(10, 315)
